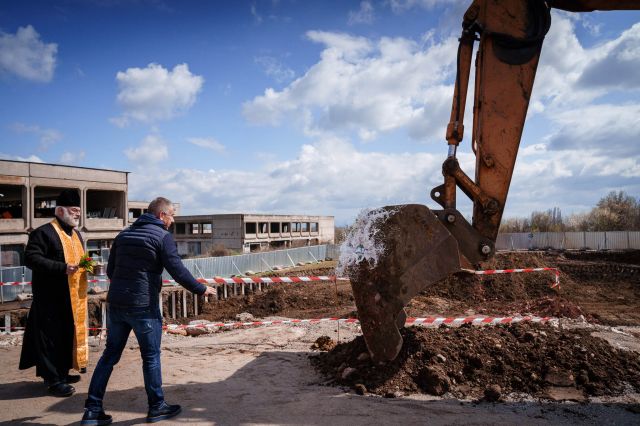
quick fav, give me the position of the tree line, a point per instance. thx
(617, 211)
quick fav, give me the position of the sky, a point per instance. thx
(313, 107)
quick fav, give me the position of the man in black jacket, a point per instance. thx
(137, 258)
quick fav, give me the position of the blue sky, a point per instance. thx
(314, 107)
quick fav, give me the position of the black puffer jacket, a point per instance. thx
(137, 258)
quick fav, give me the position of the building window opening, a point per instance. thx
(305, 226)
(195, 228)
(180, 228)
(274, 227)
(104, 204)
(285, 227)
(11, 255)
(44, 200)
(277, 244)
(314, 226)
(296, 226)
(11, 205)
(95, 249)
(250, 228)
(262, 226)
(135, 213)
(207, 228)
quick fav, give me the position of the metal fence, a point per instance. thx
(256, 262)
(204, 267)
(614, 240)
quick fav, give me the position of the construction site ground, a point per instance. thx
(582, 369)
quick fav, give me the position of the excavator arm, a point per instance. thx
(404, 249)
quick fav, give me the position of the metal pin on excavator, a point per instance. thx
(420, 246)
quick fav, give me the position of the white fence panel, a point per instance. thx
(634, 240)
(574, 240)
(617, 240)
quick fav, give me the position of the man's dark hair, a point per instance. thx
(159, 205)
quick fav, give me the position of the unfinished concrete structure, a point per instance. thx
(198, 235)
(28, 194)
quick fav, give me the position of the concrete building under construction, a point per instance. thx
(199, 235)
(28, 193)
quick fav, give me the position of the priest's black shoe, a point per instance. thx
(165, 411)
(99, 418)
(72, 378)
(61, 390)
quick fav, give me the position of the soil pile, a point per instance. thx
(488, 362)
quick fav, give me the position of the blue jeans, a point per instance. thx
(146, 324)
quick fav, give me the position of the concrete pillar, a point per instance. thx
(173, 304)
(7, 323)
(103, 319)
(195, 304)
(184, 303)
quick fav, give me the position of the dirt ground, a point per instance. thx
(583, 369)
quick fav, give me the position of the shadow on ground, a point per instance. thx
(282, 388)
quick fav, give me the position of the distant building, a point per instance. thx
(27, 200)
(198, 235)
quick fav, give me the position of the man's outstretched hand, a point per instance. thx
(210, 291)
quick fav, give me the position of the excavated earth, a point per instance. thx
(491, 363)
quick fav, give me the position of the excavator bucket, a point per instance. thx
(390, 255)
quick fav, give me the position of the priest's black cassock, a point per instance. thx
(49, 336)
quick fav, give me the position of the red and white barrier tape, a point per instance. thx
(513, 271)
(220, 280)
(295, 279)
(424, 322)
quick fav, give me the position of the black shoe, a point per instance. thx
(61, 390)
(95, 418)
(165, 411)
(72, 378)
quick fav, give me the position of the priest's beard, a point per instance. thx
(68, 218)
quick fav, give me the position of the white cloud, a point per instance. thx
(31, 158)
(571, 75)
(208, 143)
(155, 93)
(364, 15)
(25, 55)
(330, 176)
(72, 157)
(275, 69)
(151, 151)
(365, 87)
(572, 179)
(47, 137)
(609, 129)
(254, 12)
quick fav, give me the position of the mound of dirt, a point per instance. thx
(324, 343)
(488, 362)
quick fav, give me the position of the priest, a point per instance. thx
(55, 340)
